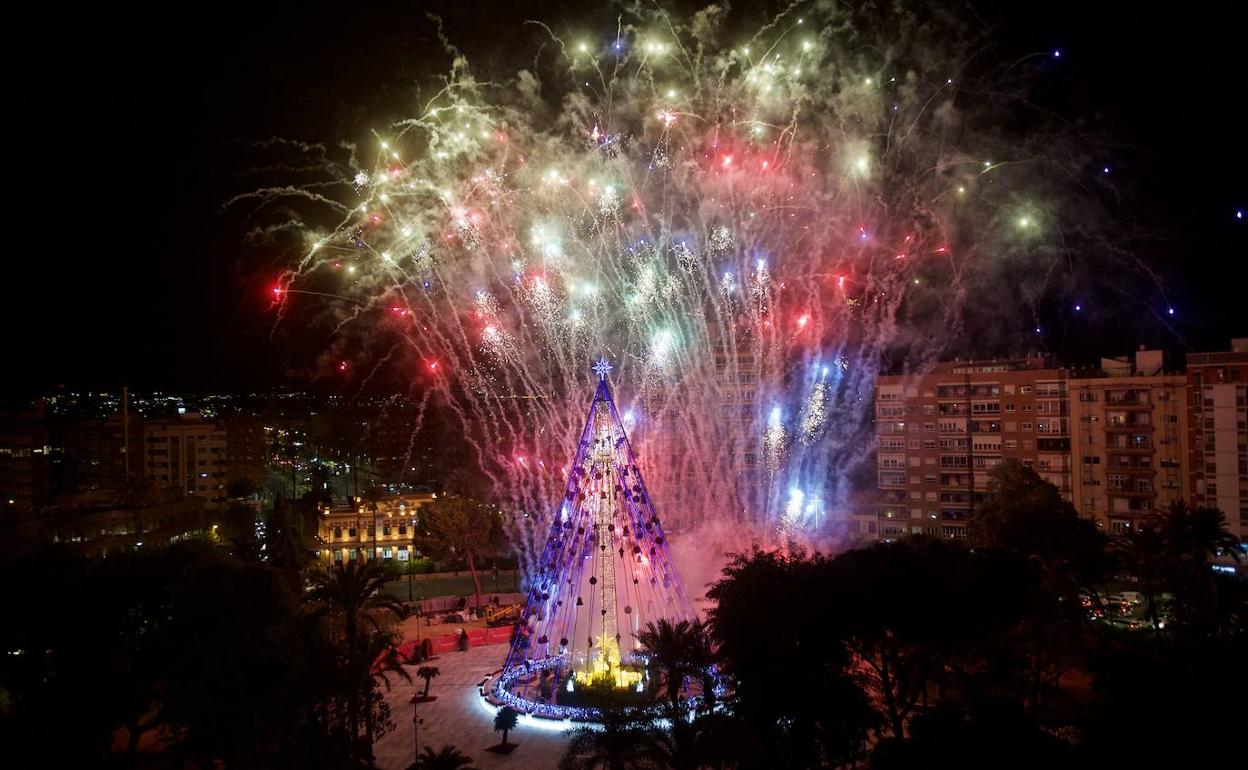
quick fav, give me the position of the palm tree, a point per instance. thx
(372, 496)
(505, 721)
(1192, 538)
(1143, 553)
(1197, 535)
(379, 657)
(448, 758)
(683, 745)
(354, 591)
(621, 741)
(701, 658)
(671, 647)
(427, 673)
(1056, 612)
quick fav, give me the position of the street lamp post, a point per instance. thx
(416, 720)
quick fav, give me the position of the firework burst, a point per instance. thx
(717, 217)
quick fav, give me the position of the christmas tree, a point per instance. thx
(604, 574)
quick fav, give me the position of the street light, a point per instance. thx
(416, 720)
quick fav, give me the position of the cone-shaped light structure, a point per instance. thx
(604, 574)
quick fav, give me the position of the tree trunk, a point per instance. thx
(353, 700)
(1152, 610)
(476, 581)
(132, 743)
(1036, 679)
(890, 700)
(369, 727)
(505, 737)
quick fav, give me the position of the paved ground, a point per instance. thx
(458, 718)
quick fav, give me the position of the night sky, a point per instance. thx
(133, 127)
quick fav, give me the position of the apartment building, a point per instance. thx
(188, 454)
(1217, 440)
(26, 461)
(1129, 425)
(102, 530)
(95, 453)
(246, 451)
(939, 433)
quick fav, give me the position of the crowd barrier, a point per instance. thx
(444, 643)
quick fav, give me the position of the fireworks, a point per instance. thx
(718, 218)
(815, 411)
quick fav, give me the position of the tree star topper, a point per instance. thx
(603, 368)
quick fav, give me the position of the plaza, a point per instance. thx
(460, 717)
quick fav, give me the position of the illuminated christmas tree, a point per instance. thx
(604, 573)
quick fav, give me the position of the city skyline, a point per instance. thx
(660, 384)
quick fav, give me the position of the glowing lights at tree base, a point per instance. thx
(605, 668)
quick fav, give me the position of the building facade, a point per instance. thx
(1119, 441)
(1129, 423)
(246, 451)
(96, 453)
(1217, 421)
(26, 462)
(350, 532)
(187, 454)
(939, 433)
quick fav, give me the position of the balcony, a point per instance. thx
(1131, 493)
(1131, 450)
(1128, 427)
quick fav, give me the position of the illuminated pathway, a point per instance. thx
(458, 717)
